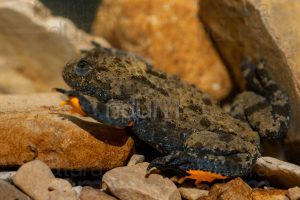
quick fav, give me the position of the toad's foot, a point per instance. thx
(268, 109)
(74, 103)
(113, 113)
(201, 176)
(184, 165)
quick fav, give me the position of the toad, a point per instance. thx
(195, 135)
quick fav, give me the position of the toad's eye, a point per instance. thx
(82, 68)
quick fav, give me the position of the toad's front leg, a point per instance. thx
(114, 113)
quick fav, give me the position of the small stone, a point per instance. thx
(61, 195)
(235, 189)
(135, 159)
(59, 184)
(78, 190)
(277, 171)
(89, 193)
(192, 193)
(131, 182)
(33, 178)
(37, 180)
(171, 34)
(294, 193)
(10, 192)
(269, 194)
(7, 176)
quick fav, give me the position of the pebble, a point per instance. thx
(10, 192)
(294, 193)
(89, 193)
(7, 176)
(131, 183)
(192, 193)
(135, 159)
(37, 180)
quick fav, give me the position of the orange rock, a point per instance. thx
(269, 194)
(235, 189)
(170, 33)
(33, 127)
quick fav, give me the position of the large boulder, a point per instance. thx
(261, 29)
(170, 33)
(35, 46)
(35, 127)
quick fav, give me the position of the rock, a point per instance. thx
(78, 190)
(277, 171)
(61, 189)
(235, 189)
(89, 193)
(294, 193)
(59, 184)
(261, 30)
(7, 176)
(192, 193)
(10, 192)
(33, 178)
(169, 33)
(35, 46)
(130, 182)
(36, 179)
(135, 159)
(269, 194)
(13, 82)
(34, 127)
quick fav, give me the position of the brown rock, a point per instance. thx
(261, 30)
(33, 178)
(277, 171)
(33, 127)
(269, 194)
(89, 193)
(169, 33)
(294, 193)
(61, 190)
(192, 193)
(130, 183)
(35, 46)
(10, 192)
(36, 179)
(235, 189)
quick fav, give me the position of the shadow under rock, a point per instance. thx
(109, 135)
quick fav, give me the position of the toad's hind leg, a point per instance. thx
(204, 167)
(267, 108)
(184, 164)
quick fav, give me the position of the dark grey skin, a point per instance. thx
(121, 89)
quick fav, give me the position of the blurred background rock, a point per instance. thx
(79, 11)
